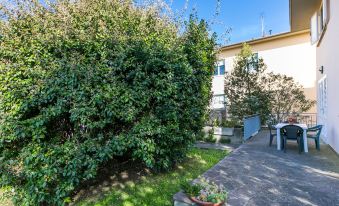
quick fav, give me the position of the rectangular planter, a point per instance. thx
(224, 131)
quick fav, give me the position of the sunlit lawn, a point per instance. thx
(156, 189)
(159, 189)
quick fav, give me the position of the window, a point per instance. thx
(253, 61)
(218, 101)
(256, 57)
(216, 70)
(314, 29)
(219, 69)
(222, 70)
(319, 21)
(325, 12)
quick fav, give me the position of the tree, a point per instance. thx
(250, 89)
(243, 86)
(83, 82)
(287, 97)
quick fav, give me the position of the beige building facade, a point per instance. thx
(309, 53)
(289, 53)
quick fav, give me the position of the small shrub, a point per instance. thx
(229, 123)
(210, 137)
(225, 141)
(191, 190)
(216, 123)
(200, 136)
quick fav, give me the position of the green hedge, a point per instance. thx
(86, 81)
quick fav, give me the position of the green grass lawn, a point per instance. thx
(158, 189)
(154, 189)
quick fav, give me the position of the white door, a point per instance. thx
(322, 106)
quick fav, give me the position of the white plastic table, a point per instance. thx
(281, 125)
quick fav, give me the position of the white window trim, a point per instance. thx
(315, 22)
(219, 63)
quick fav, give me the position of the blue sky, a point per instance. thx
(242, 16)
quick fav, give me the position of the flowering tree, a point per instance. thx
(250, 90)
(287, 97)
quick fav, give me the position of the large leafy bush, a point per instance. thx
(85, 81)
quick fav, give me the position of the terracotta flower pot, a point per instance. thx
(206, 203)
(292, 120)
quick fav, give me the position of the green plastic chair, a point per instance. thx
(292, 132)
(314, 133)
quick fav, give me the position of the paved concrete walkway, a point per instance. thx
(256, 174)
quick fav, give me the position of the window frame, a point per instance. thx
(253, 61)
(320, 20)
(217, 69)
(314, 29)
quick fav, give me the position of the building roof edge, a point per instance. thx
(264, 39)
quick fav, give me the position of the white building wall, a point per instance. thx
(328, 57)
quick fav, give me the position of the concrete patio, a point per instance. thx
(256, 174)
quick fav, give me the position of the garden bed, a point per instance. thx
(224, 135)
(131, 185)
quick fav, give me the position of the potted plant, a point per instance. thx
(205, 193)
(292, 120)
(225, 127)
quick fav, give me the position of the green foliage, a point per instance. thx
(206, 191)
(228, 123)
(210, 136)
(200, 136)
(158, 189)
(243, 86)
(250, 89)
(225, 141)
(287, 97)
(86, 81)
(192, 190)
